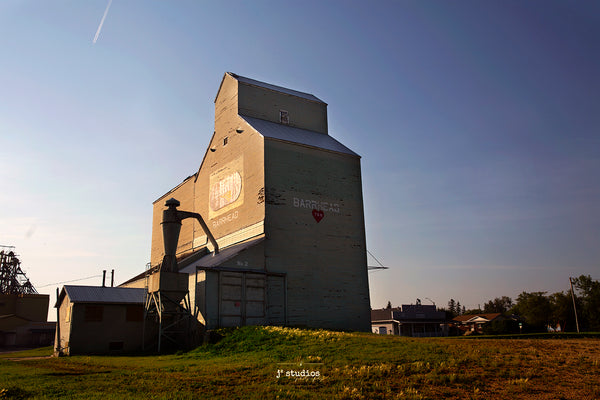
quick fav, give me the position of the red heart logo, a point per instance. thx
(318, 215)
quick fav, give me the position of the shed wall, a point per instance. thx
(100, 336)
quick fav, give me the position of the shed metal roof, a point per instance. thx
(296, 135)
(214, 260)
(98, 294)
(276, 88)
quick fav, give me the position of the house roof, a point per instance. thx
(99, 294)
(305, 137)
(385, 314)
(275, 88)
(476, 317)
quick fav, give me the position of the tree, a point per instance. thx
(452, 307)
(498, 305)
(535, 308)
(499, 327)
(458, 309)
(562, 310)
(589, 292)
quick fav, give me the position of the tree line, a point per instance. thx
(538, 311)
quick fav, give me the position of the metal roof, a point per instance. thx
(98, 294)
(382, 315)
(287, 133)
(214, 260)
(292, 92)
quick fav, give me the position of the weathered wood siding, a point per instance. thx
(84, 337)
(64, 323)
(315, 233)
(308, 203)
(229, 156)
(265, 104)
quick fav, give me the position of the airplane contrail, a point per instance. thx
(102, 22)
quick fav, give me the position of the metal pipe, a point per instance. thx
(171, 225)
(57, 348)
(104, 278)
(112, 278)
(186, 214)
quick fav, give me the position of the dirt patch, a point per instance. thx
(27, 358)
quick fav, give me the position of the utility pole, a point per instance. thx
(574, 307)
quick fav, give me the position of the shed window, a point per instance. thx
(134, 313)
(68, 313)
(93, 313)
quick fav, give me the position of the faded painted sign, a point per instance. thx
(225, 191)
(315, 204)
(226, 188)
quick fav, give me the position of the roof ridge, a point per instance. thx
(277, 88)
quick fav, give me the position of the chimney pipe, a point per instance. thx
(112, 278)
(57, 348)
(103, 278)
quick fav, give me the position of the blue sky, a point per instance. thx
(477, 122)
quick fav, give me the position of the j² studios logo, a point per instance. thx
(299, 371)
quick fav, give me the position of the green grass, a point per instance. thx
(39, 352)
(245, 362)
(544, 335)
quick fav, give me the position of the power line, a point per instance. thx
(74, 280)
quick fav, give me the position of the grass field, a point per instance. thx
(247, 361)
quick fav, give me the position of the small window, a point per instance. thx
(93, 313)
(225, 139)
(68, 314)
(284, 117)
(134, 314)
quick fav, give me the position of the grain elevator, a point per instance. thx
(283, 242)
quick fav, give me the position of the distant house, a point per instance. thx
(472, 323)
(99, 320)
(383, 322)
(409, 320)
(23, 320)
